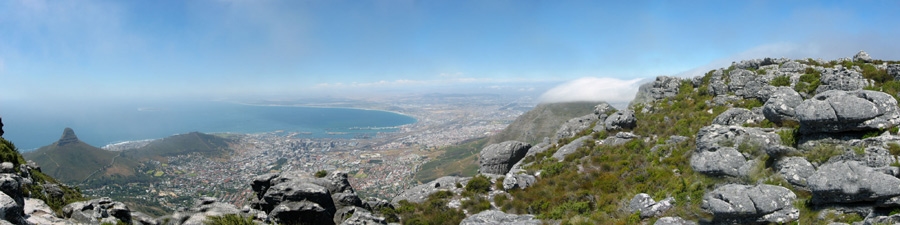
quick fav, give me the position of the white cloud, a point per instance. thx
(611, 90)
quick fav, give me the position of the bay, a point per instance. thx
(31, 128)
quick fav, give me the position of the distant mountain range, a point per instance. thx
(71, 160)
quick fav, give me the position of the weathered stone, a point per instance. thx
(841, 79)
(894, 71)
(673, 221)
(737, 116)
(620, 138)
(575, 125)
(301, 212)
(647, 207)
(735, 203)
(862, 56)
(419, 194)
(781, 104)
(623, 119)
(570, 148)
(499, 158)
(851, 182)
(494, 217)
(362, 217)
(97, 211)
(841, 111)
(661, 88)
(518, 181)
(795, 170)
(721, 161)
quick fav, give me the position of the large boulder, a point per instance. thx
(737, 116)
(862, 56)
(747, 84)
(647, 207)
(673, 221)
(842, 79)
(661, 88)
(744, 204)
(795, 170)
(575, 125)
(96, 211)
(623, 119)
(851, 182)
(10, 211)
(518, 181)
(781, 105)
(494, 217)
(892, 70)
(204, 208)
(841, 111)
(298, 197)
(499, 158)
(419, 194)
(719, 149)
(721, 161)
(570, 148)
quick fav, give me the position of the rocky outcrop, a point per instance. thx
(102, 210)
(494, 217)
(647, 207)
(499, 158)
(744, 204)
(717, 149)
(841, 79)
(419, 194)
(757, 63)
(1, 126)
(623, 119)
(619, 139)
(570, 148)
(892, 70)
(518, 181)
(781, 105)
(202, 209)
(795, 170)
(575, 125)
(842, 111)
(661, 88)
(297, 198)
(851, 182)
(737, 116)
(673, 221)
(67, 137)
(862, 56)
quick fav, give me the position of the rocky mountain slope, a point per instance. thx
(763, 141)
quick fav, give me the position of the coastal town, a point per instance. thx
(379, 166)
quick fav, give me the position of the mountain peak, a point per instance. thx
(68, 137)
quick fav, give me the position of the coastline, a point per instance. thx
(327, 107)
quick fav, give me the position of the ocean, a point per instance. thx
(102, 125)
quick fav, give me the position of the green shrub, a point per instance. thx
(894, 148)
(781, 81)
(321, 173)
(479, 184)
(821, 153)
(788, 137)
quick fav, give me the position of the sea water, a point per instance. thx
(102, 125)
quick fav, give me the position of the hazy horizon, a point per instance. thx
(104, 52)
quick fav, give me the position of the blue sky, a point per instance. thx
(119, 50)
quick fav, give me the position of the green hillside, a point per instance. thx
(542, 121)
(195, 142)
(71, 160)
